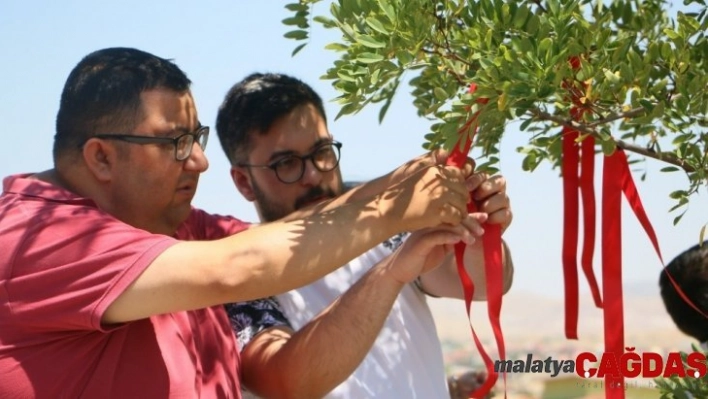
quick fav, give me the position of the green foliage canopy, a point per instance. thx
(641, 82)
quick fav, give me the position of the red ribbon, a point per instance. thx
(572, 182)
(617, 180)
(493, 266)
(574, 155)
(614, 177)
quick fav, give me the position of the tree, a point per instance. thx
(623, 72)
(639, 76)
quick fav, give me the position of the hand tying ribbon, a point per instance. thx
(493, 267)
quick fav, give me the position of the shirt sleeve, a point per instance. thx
(250, 318)
(72, 263)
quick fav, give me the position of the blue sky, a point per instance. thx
(218, 42)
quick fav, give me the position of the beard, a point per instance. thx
(270, 210)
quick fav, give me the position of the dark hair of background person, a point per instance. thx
(690, 272)
(254, 104)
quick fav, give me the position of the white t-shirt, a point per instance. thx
(406, 360)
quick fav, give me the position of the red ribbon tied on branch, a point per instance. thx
(616, 180)
(493, 266)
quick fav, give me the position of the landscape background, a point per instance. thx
(534, 323)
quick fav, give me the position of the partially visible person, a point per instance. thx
(462, 385)
(304, 343)
(112, 285)
(689, 270)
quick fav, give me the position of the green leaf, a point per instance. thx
(325, 22)
(608, 146)
(296, 34)
(336, 47)
(440, 93)
(670, 169)
(375, 77)
(344, 75)
(682, 139)
(610, 76)
(544, 46)
(346, 110)
(525, 124)
(297, 49)
(296, 20)
(369, 58)
(296, 7)
(671, 34)
(388, 9)
(529, 163)
(404, 57)
(646, 104)
(532, 25)
(369, 41)
(384, 109)
(376, 25)
(520, 17)
(678, 194)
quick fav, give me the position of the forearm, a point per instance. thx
(286, 255)
(358, 193)
(368, 189)
(321, 355)
(445, 280)
(276, 257)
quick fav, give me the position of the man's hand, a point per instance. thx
(428, 198)
(436, 157)
(489, 193)
(425, 249)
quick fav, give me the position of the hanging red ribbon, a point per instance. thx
(587, 192)
(575, 154)
(617, 180)
(493, 266)
(613, 179)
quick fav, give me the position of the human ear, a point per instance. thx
(242, 181)
(99, 158)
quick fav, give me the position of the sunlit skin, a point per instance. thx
(152, 190)
(298, 132)
(141, 184)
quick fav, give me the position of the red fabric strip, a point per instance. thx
(570, 230)
(572, 182)
(632, 195)
(494, 270)
(613, 177)
(587, 191)
(492, 244)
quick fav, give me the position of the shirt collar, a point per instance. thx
(25, 185)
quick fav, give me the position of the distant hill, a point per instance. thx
(527, 317)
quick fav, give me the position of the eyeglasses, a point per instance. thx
(183, 143)
(291, 168)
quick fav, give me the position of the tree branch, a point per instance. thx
(589, 129)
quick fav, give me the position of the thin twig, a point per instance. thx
(589, 129)
(629, 114)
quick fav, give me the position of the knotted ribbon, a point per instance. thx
(493, 265)
(574, 156)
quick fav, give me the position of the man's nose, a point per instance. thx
(311, 176)
(197, 160)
